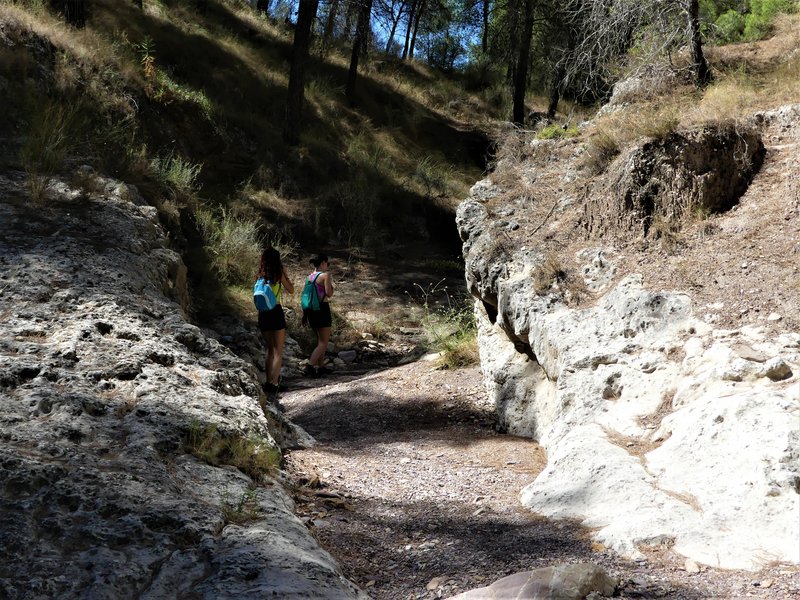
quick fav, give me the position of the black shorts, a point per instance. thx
(272, 320)
(320, 318)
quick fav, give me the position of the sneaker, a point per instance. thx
(270, 388)
(311, 371)
(324, 371)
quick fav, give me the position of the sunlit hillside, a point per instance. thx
(190, 108)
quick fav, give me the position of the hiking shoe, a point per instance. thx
(311, 371)
(270, 388)
(324, 371)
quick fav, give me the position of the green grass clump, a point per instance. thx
(233, 244)
(556, 131)
(449, 326)
(244, 509)
(54, 130)
(177, 175)
(250, 455)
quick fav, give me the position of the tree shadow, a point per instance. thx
(357, 417)
(430, 539)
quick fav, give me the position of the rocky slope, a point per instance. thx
(666, 393)
(107, 396)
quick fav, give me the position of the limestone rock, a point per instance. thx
(562, 582)
(103, 384)
(640, 406)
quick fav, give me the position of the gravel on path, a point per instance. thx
(415, 493)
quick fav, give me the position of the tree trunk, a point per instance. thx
(330, 23)
(521, 72)
(485, 37)
(411, 13)
(352, 8)
(395, 23)
(555, 89)
(74, 11)
(362, 33)
(294, 96)
(702, 72)
(417, 18)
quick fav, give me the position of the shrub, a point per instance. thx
(449, 326)
(176, 175)
(355, 205)
(729, 26)
(482, 74)
(552, 275)
(233, 244)
(54, 130)
(433, 177)
(600, 151)
(758, 21)
(244, 510)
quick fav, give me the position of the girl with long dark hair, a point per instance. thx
(272, 323)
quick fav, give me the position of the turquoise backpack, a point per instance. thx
(263, 296)
(309, 299)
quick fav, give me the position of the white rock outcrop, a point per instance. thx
(102, 381)
(659, 429)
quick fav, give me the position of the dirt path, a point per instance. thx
(415, 494)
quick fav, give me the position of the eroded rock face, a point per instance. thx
(660, 430)
(101, 380)
(705, 170)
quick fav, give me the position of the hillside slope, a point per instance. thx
(189, 108)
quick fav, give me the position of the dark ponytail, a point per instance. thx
(318, 260)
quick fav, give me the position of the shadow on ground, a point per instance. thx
(356, 416)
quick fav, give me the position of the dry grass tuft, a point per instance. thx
(551, 275)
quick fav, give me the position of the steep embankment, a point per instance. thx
(113, 406)
(669, 417)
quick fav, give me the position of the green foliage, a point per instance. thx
(54, 130)
(168, 90)
(250, 455)
(233, 244)
(442, 265)
(556, 131)
(176, 175)
(449, 326)
(762, 13)
(482, 73)
(243, 510)
(736, 21)
(730, 26)
(433, 176)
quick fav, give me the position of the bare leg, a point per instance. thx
(318, 355)
(279, 339)
(275, 341)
